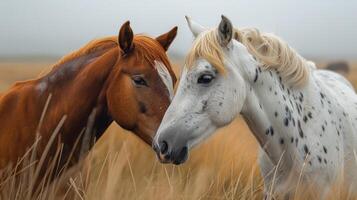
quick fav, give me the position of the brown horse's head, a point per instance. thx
(141, 84)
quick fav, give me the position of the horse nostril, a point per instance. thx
(163, 147)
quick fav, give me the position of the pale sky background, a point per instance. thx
(324, 29)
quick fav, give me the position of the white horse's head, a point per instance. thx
(211, 92)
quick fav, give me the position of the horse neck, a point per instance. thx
(274, 112)
(77, 90)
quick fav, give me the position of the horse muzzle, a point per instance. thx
(171, 153)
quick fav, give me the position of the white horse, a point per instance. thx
(303, 118)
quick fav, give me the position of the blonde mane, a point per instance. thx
(268, 49)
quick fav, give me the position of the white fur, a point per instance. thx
(314, 127)
(165, 77)
(195, 28)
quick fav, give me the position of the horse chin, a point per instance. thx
(180, 161)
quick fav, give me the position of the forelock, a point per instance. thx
(150, 50)
(206, 46)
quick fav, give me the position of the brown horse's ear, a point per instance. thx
(166, 39)
(125, 37)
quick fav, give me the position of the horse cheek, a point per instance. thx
(122, 104)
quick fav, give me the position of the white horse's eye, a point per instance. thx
(205, 79)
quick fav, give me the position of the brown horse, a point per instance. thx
(127, 79)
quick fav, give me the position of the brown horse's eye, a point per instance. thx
(139, 81)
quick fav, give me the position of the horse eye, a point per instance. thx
(205, 79)
(139, 81)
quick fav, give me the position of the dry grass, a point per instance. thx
(122, 167)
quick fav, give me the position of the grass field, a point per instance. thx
(123, 167)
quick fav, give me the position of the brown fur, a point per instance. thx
(96, 78)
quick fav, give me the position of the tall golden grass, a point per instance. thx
(120, 166)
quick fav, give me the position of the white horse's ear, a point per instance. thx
(195, 28)
(225, 31)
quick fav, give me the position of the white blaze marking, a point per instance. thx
(165, 77)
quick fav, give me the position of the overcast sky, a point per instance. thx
(324, 29)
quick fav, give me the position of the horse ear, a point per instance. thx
(166, 39)
(225, 31)
(195, 28)
(125, 37)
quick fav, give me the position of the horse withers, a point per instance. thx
(303, 118)
(126, 78)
